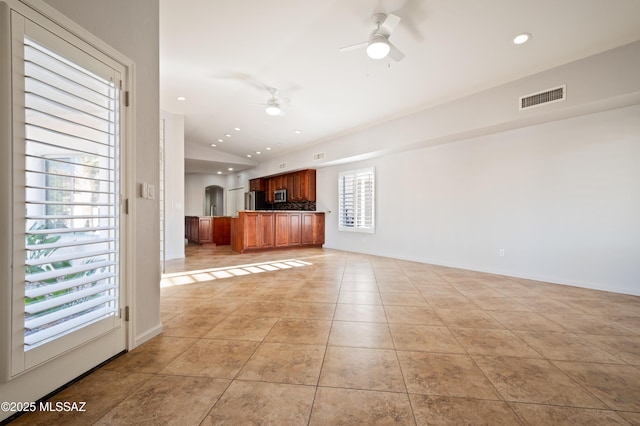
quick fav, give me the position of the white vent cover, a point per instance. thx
(282, 166)
(318, 156)
(556, 94)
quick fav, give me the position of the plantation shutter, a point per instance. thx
(72, 196)
(356, 204)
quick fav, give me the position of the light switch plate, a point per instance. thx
(144, 190)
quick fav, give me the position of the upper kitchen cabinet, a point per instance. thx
(259, 184)
(308, 185)
(271, 186)
(300, 186)
(290, 177)
(303, 186)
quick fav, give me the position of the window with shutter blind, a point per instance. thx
(356, 200)
(67, 177)
(72, 198)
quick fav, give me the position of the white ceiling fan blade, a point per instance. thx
(395, 53)
(243, 79)
(354, 47)
(391, 22)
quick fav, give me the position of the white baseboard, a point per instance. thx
(509, 273)
(147, 335)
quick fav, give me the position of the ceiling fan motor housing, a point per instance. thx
(378, 18)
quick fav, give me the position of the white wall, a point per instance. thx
(556, 186)
(196, 183)
(598, 83)
(174, 185)
(562, 199)
(237, 185)
(194, 192)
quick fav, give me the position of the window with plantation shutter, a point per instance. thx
(356, 203)
(65, 179)
(72, 196)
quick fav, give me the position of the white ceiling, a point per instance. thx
(218, 54)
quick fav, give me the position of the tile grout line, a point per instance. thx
(402, 373)
(326, 348)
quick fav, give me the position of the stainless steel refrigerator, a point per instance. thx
(255, 200)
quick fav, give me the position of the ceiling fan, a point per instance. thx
(274, 103)
(378, 46)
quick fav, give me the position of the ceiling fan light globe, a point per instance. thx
(378, 48)
(272, 110)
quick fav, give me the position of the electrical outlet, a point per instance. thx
(501, 253)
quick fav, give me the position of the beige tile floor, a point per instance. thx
(323, 337)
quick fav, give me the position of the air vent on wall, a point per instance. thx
(318, 156)
(548, 96)
(282, 166)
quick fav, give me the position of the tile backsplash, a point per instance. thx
(294, 205)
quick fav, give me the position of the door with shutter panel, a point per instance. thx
(68, 175)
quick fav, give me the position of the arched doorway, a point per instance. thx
(213, 201)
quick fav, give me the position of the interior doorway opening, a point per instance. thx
(213, 201)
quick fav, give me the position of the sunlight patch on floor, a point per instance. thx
(196, 276)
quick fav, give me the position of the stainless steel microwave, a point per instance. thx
(280, 196)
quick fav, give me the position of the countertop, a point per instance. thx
(207, 216)
(283, 211)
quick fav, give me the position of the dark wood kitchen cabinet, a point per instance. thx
(307, 185)
(250, 237)
(208, 229)
(287, 229)
(291, 195)
(257, 230)
(281, 182)
(205, 230)
(295, 229)
(281, 229)
(281, 224)
(222, 230)
(293, 187)
(267, 227)
(271, 187)
(312, 228)
(300, 185)
(259, 184)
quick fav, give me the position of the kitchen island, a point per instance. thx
(273, 229)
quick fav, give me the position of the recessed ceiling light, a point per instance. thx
(297, 132)
(213, 145)
(219, 173)
(249, 155)
(258, 152)
(228, 135)
(237, 129)
(181, 98)
(220, 140)
(268, 148)
(521, 38)
(230, 169)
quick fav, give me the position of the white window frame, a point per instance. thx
(359, 202)
(16, 361)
